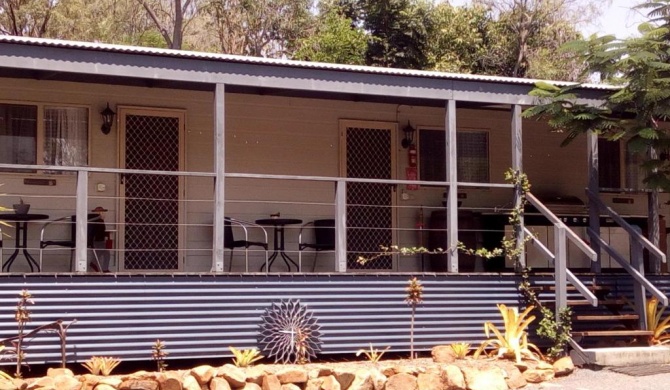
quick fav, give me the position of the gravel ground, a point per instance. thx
(585, 379)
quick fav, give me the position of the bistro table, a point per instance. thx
(21, 227)
(279, 245)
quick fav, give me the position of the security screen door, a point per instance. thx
(369, 149)
(151, 140)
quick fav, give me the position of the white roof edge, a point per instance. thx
(280, 62)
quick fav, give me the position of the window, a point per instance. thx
(62, 135)
(611, 161)
(473, 155)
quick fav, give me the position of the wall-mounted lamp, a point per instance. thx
(409, 135)
(107, 120)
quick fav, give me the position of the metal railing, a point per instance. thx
(562, 274)
(636, 265)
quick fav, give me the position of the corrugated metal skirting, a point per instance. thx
(201, 315)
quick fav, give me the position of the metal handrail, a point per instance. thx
(561, 273)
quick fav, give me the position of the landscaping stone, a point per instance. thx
(255, 374)
(166, 382)
(486, 379)
(534, 375)
(138, 384)
(521, 366)
(402, 382)
(252, 386)
(314, 384)
(203, 374)
(234, 375)
(290, 386)
(112, 381)
(330, 383)
(47, 382)
(443, 354)
(67, 382)
(271, 382)
(190, 383)
(378, 379)
(104, 387)
(564, 366)
(218, 384)
(345, 378)
(430, 381)
(544, 366)
(54, 372)
(454, 377)
(363, 381)
(292, 375)
(515, 379)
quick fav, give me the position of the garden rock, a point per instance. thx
(271, 382)
(330, 383)
(67, 382)
(104, 387)
(363, 381)
(313, 384)
(251, 386)
(430, 381)
(203, 374)
(515, 379)
(564, 366)
(521, 366)
(110, 381)
(190, 383)
(45, 382)
(166, 382)
(54, 372)
(234, 375)
(454, 377)
(537, 376)
(292, 375)
(487, 379)
(345, 378)
(378, 379)
(255, 374)
(138, 384)
(402, 382)
(218, 384)
(443, 354)
(290, 386)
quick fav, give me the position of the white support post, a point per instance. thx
(341, 226)
(560, 273)
(452, 191)
(81, 226)
(653, 205)
(219, 181)
(517, 165)
(594, 187)
(639, 293)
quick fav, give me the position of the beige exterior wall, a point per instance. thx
(281, 135)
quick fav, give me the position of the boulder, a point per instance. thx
(314, 384)
(218, 383)
(102, 386)
(430, 381)
(251, 386)
(255, 374)
(235, 376)
(138, 384)
(113, 381)
(44, 382)
(454, 378)
(534, 375)
(320, 371)
(378, 379)
(330, 383)
(203, 374)
(345, 378)
(402, 382)
(271, 382)
(564, 366)
(290, 386)
(486, 379)
(363, 381)
(66, 382)
(515, 379)
(544, 366)
(292, 375)
(443, 354)
(54, 372)
(166, 382)
(190, 383)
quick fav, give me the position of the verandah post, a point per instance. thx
(452, 191)
(654, 220)
(219, 181)
(594, 187)
(517, 166)
(341, 226)
(81, 226)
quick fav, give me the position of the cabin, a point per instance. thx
(218, 185)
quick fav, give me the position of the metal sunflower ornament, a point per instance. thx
(289, 333)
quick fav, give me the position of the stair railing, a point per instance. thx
(635, 267)
(562, 274)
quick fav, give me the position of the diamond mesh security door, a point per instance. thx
(369, 205)
(151, 212)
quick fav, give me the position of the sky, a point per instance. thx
(618, 19)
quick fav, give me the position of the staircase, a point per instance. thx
(606, 328)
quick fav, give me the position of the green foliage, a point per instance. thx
(514, 342)
(460, 350)
(101, 365)
(158, 354)
(657, 324)
(558, 332)
(245, 357)
(374, 355)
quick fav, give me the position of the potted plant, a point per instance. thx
(21, 207)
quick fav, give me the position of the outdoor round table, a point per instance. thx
(279, 245)
(21, 237)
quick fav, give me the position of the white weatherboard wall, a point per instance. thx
(282, 135)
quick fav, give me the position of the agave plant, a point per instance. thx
(374, 355)
(101, 365)
(246, 357)
(461, 350)
(514, 342)
(656, 324)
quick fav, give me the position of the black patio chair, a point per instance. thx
(229, 241)
(93, 231)
(324, 239)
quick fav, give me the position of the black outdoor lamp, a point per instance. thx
(107, 119)
(409, 136)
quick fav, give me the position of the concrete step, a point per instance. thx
(622, 356)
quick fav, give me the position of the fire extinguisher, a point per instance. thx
(411, 155)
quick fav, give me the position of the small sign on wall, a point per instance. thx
(411, 173)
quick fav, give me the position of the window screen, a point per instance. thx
(18, 134)
(609, 163)
(473, 155)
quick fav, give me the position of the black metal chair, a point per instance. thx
(229, 241)
(324, 239)
(93, 231)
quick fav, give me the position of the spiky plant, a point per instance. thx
(101, 365)
(414, 298)
(461, 350)
(657, 324)
(22, 318)
(374, 355)
(245, 357)
(158, 354)
(514, 342)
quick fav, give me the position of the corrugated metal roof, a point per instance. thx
(278, 62)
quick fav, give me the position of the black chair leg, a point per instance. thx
(230, 262)
(316, 257)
